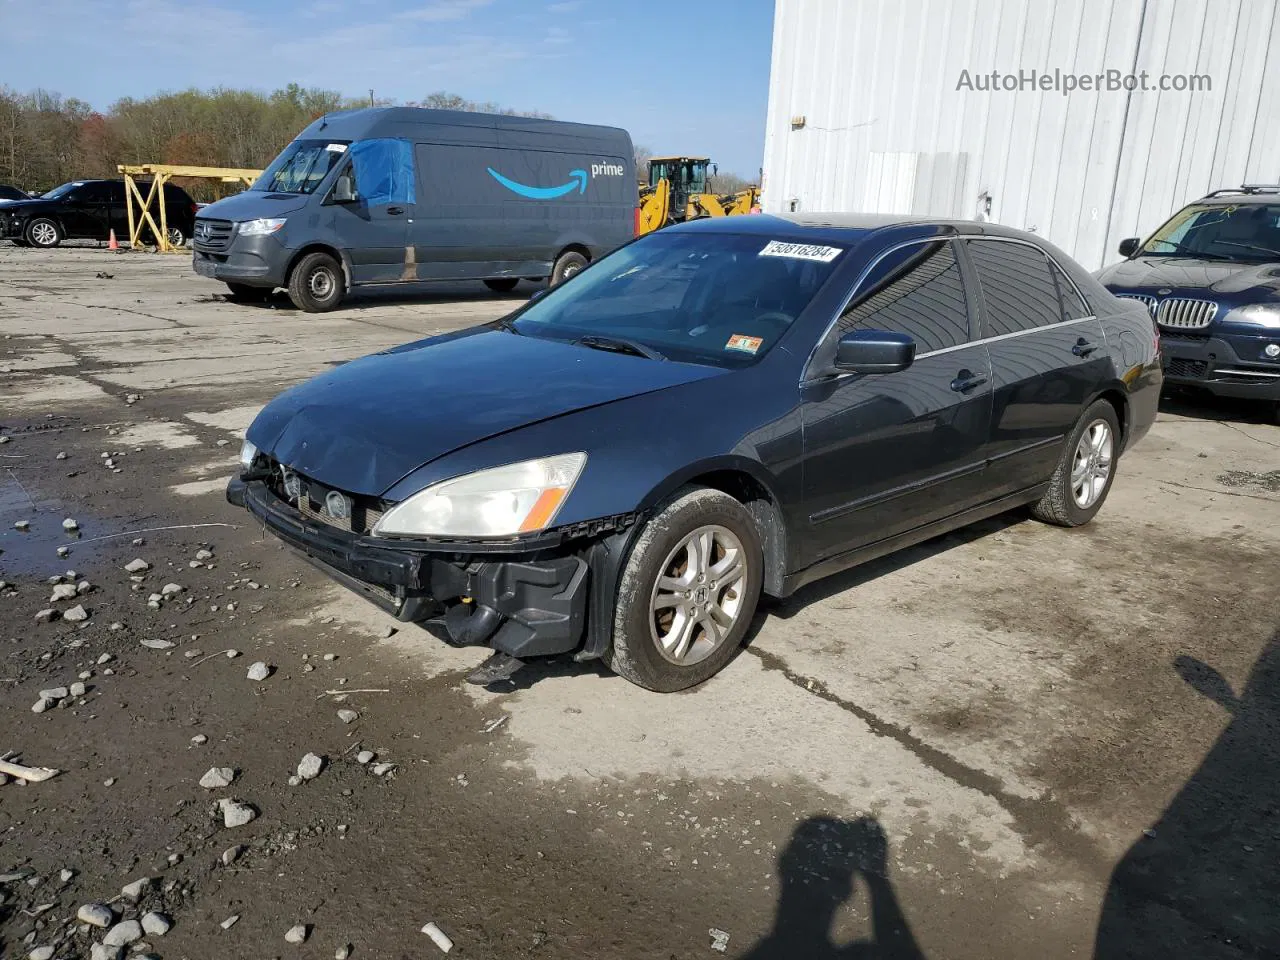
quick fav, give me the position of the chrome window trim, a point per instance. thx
(857, 288)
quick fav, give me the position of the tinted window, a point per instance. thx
(92, 193)
(1073, 307)
(1018, 291)
(1236, 231)
(916, 290)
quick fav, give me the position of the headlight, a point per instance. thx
(247, 452)
(500, 502)
(260, 228)
(1259, 314)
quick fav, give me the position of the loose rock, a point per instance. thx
(63, 591)
(45, 616)
(41, 705)
(77, 614)
(55, 693)
(364, 756)
(348, 716)
(70, 524)
(204, 554)
(230, 854)
(95, 914)
(171, 590)
(133, 891)
(78, 689)
(63, 551)
(342, 952)
(156, 924)
(137, 566)
(236, 814)
(216, 778)
(22, 525)
(297, 934)
(157, 644)
(83, 587)
(60, 455)
(100, 951)
(438, 937)
(230, 922)
(310, 766)
(105, 658)
(199, 739)
(382, 769)
(41, 953)
(331, 657)
(123, 934)
(259, 671)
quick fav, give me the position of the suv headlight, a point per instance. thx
(260, 228)
(498, 502)
(1259, 314)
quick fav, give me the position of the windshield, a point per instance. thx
(302, 166)
(63, 190)
(1245, 231)
(709, 298)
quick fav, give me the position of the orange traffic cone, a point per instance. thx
(111, 242)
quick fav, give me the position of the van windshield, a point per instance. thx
(712, 298)
(302, 166)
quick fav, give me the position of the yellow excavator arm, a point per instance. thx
(655, 203)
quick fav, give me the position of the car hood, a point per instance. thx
(1242, 282)
(253, 204)
(364, 425)
(35, 203)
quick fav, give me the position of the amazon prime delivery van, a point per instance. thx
(402, 195)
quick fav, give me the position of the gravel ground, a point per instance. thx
(1013, 741)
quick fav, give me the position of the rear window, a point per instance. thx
(719, 299)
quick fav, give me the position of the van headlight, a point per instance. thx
(247, 453)
(498, 502)
(260, 228)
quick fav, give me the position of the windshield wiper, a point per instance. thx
(504, 324)
(1180, 251)
(1250, 246)
(620, 345)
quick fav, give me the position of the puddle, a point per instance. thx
(34, 552)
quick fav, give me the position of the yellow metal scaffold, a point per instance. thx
(160, 174)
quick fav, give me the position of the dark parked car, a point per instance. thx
(90, 210)
(12, 193)
(725, 407)
(1211, 278)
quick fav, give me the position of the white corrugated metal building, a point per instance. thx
(865, 114)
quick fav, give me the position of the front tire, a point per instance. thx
(687, 593)
(43, 233)
(316, 284)
(567, 264)
(1082, 479)
(502, 284)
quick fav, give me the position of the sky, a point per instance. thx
(682, 76)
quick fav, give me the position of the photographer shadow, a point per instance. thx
(817, 871)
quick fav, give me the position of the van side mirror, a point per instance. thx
(541, 292)
(343, 190)
(1129, 247)
(874, 351)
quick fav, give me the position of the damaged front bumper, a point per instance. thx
(524, 600)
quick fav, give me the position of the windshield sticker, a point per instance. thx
(744, 343)
(800, 251)
(336, 147)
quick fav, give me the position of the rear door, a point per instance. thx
(374, 230)
(1048, 356)
(885, 454)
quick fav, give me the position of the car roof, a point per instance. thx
(844, 227)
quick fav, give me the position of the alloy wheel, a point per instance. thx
(44, 234)
(1091, 466)
(698, 597)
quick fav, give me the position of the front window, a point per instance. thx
(57, 193)
(710, 298)
(302, 166)
(1243, 231)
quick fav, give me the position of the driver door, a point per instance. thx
(886, 453)
(374, 225)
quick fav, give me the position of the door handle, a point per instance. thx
(1083, 348)
(966, 381)
(395, 211)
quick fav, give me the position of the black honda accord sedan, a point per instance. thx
(727, 407)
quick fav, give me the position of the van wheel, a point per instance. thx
(688, 592)
(43, 233)
(568, 263)
(243, 293)
(316, 283)
(502, 284)
(1082, 480)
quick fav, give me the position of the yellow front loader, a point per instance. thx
(677, 191)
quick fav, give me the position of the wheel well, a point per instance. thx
(317, 248)
(574, 248)
(1121, 405)
(753, 495)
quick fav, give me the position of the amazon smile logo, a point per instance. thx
(577, 181)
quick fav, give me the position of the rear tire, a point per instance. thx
(684, 604)
(567, 264)
(1083, 477)
(316, 284)
(502, 284)
(243, 293)
(43, 233)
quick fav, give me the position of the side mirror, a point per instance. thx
(343, 191)
(541, 292)
(1129, 247)
(874, 351)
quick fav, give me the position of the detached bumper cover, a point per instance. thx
(1229, 367)
(540, 600)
